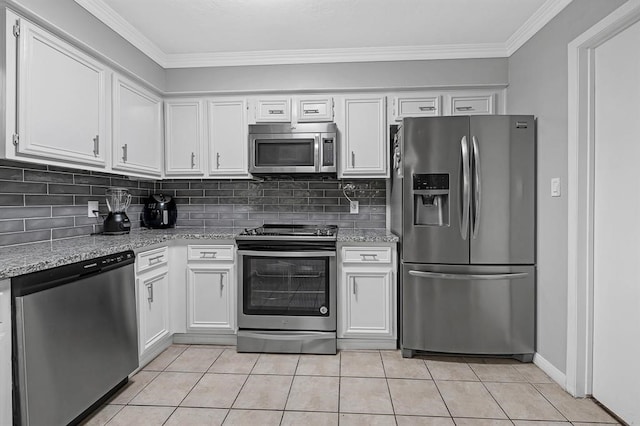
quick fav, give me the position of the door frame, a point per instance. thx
(580, 185)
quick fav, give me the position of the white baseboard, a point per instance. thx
(555, 374)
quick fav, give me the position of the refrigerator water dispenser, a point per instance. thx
(431, 199)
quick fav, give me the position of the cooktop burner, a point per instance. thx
(279, 230)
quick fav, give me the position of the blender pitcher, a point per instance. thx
(117, 222)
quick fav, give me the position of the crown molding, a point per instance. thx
(113, 20)
(539, 19)
(313, 56)
(109, 17)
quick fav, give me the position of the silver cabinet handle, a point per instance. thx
(96, 146)
(124, 152)
(276, 111)
(155, 260)
(355, 287)
(217, 160)
(311, 111)
(205, 254)
(427, 108)
(464, 222)
(468, 277)
(373, 256)
(464, 108)
(477, 189)
(193, 160)
(221, 283)
(353, 159)
(150, 291)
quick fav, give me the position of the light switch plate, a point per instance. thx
(354, 207)
(91, 206)
(555, 187)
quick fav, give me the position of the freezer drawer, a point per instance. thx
(468, 309)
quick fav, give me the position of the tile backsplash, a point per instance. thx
(43, 203)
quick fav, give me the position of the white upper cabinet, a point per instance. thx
(363, 137)
(184, 137)
(270, 110)
(314, 109)
(59, 95)
(416, 105)
(137, 129)
(227, 137)
(480, 104)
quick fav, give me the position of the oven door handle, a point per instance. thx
(269, 253)
(295, 335)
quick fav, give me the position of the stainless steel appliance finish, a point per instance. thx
(287, 289)
(463, 201)
(307, 148)
(75, 338)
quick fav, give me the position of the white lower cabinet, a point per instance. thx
(211, 289)
(367, 296)
(153, 303)
(5, 353)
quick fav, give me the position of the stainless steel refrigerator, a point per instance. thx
(463, 203)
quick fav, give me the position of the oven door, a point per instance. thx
(287, 290)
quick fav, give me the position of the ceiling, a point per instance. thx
(197, 33)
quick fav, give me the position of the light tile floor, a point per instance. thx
(214, 385)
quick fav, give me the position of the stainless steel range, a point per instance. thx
(287, 289)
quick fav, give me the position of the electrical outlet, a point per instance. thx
(92, 209)
(555, 187)
(354, 207)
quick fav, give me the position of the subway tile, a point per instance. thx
(71, 232)
(263, 216)
(9, 173)
(12, 187)
(206, 185)
(124, 183)
(219, 208)
(247, 208)
(189, 193)
(247, 193)
(324, 216)
(24, 237)
(55, 188)
(294, 216)
(218, 223)
(324, 185)
(247, 223)
(337, 209)
(370, 225)
(69, 211)
(16, 225)
(302, 193)
(84, 220)
(45, 176)
(21, 165)
(218, 192)
(324, 201)
(234, 185)
(91, 180)
(233, 215)
(278, 193)
(234, 200)
(194, 215)
(293, 185)
(263, 200)
(11, 200)
(186, 200)
(282, 200)
(24, 212)
(197, 223)
(148, 185)
(48, 200)
(278, 208)
(48, 223)
(307, 208)
(99, 190)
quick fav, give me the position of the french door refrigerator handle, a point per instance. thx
(477, 187)
(466, 174)
(469, 277)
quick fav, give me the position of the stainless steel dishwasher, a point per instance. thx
(75, 338)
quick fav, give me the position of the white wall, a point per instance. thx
(341, 76)
(538, 84)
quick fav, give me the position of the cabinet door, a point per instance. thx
(5, 352)
(472, 105)
(61, 100)
(314, 109)
(137, 129)
(367, 298)
(210, 298)
(228, 140)
(364, 141)
(184, 138)
(153, 298)
(273, 110)
(416, 106)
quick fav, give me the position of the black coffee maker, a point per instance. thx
(117, 222)
(159, 211)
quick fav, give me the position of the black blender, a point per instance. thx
(117, 222)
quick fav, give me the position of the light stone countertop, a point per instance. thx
(27, 258)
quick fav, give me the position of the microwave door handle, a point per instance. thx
(317, 152)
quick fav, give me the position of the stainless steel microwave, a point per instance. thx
(281, 149)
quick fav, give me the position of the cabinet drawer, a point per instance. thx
(470, 105)
(152, 258)
(315, 109)
(269, 110)
(417, 107)
(210, 252)
(377, 255)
